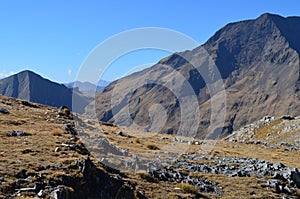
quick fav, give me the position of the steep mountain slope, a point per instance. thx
(32, 87)
(258, 61)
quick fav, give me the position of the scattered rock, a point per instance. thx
(60, 193)
(25, 151)
(119, 133)
(64, 111)
(29, 104)
(73, 139)
(41, 194)
(21, 174)
(163, 138)
(287, 117)
(18, 133)
(57, 149)
(4, 111)
(37, 187)
(169, 174)
(232, 167)
(283, 133)
(295, 177)
(70, 129)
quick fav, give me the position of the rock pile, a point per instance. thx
(282, 132)
(284, 179)
(170, 174)
(17, 133)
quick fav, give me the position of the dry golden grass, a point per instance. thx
(31, 152)
(248, 187)
(237, 187)
(187, 188)
(57, 133)
(232, 149)
(264, 132)
(146, 176)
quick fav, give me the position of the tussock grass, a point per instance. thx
(152, 147)
(187, 188)
(263, 132)
(146, 176)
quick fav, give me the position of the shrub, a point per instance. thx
(187, 188)
(152, 147)
(56, 133)
(147, 177)
(137, 140)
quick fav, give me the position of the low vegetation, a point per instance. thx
(49, 146)
(187, 188)
(152, 147)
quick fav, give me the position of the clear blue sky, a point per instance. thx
(53, 37)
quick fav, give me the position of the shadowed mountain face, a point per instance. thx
(258, 61)
(29, 86)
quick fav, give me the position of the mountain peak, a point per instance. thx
(30, 86)
(257, 60)
(27, 72)
(269, 16)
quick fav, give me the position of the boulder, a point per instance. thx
(70, 129)
(119, 133)
(287, 117)
(4, 111)
(60, 193)
(41, 194)
(295, 176)
(65, 111)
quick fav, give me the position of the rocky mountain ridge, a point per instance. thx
(258, 61)
(30, 86)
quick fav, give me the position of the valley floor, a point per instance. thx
(46, 152)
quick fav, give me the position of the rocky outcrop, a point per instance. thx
(92, 182)
(273, 132)
(71, 173)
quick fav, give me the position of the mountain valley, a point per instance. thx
(137, 137)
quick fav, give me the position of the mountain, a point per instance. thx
(30, 86)
(258, 61)
(87, 87)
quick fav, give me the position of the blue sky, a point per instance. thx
(53, 37)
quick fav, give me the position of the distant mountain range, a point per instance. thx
(87, 87)
(258, 61)
(30, 86)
